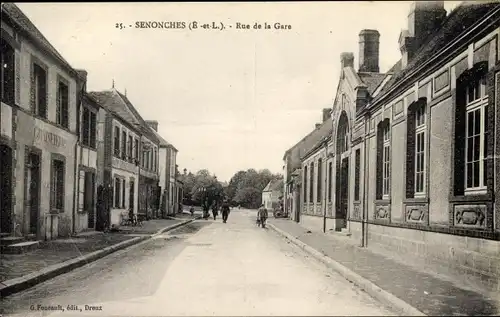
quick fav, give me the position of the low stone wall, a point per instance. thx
(476, 262)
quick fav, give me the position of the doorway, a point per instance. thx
(131, 196)
(32, 170)
(89, 198)
(5, 189)
(342, 172)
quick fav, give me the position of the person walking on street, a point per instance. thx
(191, 210)
(206, 210)
(214, 210)
(262, 216)
(225, 211)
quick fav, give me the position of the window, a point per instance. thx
(330, 176)
(40, 90)
(8, 73)
(124, 145)
(383, 187)
(311, 183)
(137, 150)
(57, 188)
(117, 142)
(305, 184)
(420, 151)
(471, 165)
(386, 162)
(118, 192)
(318, 186)
(130, 148)
(62, 104)
(89, 128)
(475, 144)
(357, 170)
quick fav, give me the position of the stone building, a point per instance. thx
(40, 94)
(272, 193)
(166, 169)
(90, 157)
(415, 156)
(130, 160)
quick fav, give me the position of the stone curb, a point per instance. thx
(22, 283)
(373, 290)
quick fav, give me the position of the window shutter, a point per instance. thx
(43, 95)
(64, 108)
(32, 88)
(17, 81)
(58, 104)
(93, 129)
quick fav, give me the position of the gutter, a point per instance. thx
(364, 225)
(76, 184)
(437, 56)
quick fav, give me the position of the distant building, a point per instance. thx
(272, 193)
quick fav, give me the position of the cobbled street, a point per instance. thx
(204, 268)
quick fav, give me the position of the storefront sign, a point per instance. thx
(49, 137)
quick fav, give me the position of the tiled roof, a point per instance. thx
(274, 185)
(163, 142)
(458, 21)
(30, 29)
(119, 104)
(316, 137)
(371, 80)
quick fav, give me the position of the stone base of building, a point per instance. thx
(315, 223)
(469, 261)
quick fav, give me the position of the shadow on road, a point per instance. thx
(190, 228)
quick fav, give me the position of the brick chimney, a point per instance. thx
(424, 19)
(326, 113)
(153, 124)
(369, 51)
(346, 59)
(82, 73)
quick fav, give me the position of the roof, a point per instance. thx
(163, 142)
(371, 80)
(316, 137)
(120, 105)
(25, 24)
(274, 185)
(462, 18)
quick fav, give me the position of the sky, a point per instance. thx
(229, 99)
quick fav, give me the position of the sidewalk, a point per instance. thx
(428, 294)
(55, 257)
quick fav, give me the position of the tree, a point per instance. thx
(245, 187)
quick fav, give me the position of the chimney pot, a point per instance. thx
(326, 114)
(347, 59)
(369, 51)
(153, 124)
(318, 125)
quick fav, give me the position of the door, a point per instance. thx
(344, 188)
(89, 198)
(131, 195)
(5, 189)
(103, 203)
(33, 191)
(296, 204)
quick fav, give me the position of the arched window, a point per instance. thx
(383, 160)
(305, 184)
(311, 183)
(416, 146)
(471, 132)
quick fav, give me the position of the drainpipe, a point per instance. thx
(76, 184)
(364, 224)
(326, 184)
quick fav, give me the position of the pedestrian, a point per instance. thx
(262, 216)
(191, 210)
(225, 211)
(206, 210)
(214, 210)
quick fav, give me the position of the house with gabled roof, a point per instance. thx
(130, 159)
(272, 193)
(167, 162)
(41, 93)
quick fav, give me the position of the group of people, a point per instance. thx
(224, 207)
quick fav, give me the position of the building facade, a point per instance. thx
(407, 177)
(40, 93)
(90, 164)
(272, 194)
(166, 169)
